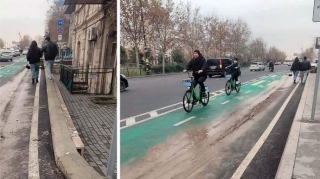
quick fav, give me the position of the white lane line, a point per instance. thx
(273, 76)
(184, 121)
(8, 71)
(258, 83)
(153, 113)
(33, 170)
(225, 102)
(247, 92)
(243, 166)
(130, 121)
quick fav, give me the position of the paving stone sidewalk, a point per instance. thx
(94, 123)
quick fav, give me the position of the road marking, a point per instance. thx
(0, 76)
(130, 121)
(243, 166)
(8, 71)
(33, 170)
(258, 83)
(225, 102)
(184, 121)
(273, 76)
(247, 92)
(153, 113)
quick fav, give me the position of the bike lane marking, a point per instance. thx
(10, 70)
(225, 102)
(137, 140)
(133, 120)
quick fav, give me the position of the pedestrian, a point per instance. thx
(305, 66)
(50, 51)
(33, 56)
(295, 68)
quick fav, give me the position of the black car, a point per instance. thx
(217, 66)
(123, 83)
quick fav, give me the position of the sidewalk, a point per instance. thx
(94, 124)
(301, 157)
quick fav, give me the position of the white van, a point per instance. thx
(257, 66)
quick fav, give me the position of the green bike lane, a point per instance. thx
(137, 140)
(9, 71)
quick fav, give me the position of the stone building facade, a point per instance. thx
(93, 40)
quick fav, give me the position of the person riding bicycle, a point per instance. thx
(271, 65)
(234, 70)
(198, 65)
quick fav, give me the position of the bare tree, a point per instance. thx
(1, 43)
(257, 49)
(162, 14)
(239, 36)
(25, 41)
(190, 27)
(275, 54)
(131, 23)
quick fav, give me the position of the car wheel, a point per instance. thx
(122, 86)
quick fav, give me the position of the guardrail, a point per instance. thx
(91, 80)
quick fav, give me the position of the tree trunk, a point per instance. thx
(137, 55)
(163, 63)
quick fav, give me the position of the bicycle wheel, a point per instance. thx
(187, 101)
(238, 86)
(205, 99)
(228, 87)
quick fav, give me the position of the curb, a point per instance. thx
(67, 158)
(286, 166)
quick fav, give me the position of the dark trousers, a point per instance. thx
(199, 80)
(235, 75)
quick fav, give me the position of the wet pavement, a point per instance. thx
(16, 111)
(211, 142)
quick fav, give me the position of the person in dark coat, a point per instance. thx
(295, 68)
(198, 65)
(50, 51)
(235, 70)
(305, 66)
(33, 56)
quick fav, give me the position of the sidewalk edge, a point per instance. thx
(286, 166)
(68, 160)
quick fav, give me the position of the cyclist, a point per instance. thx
(271, 66)
(198, 65)
(235, 70)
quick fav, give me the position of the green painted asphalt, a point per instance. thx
(11, 70)
(137, 140)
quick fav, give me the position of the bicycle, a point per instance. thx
(190, 97)
(231, 85)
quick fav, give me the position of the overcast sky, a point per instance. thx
(286, 24)
(26, 16)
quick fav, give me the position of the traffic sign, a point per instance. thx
(60, 22)
(60, 30)
(59, 37)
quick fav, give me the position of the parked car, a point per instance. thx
(6, 55)
(289, 63)
(314, 66)
(217, 66)
(123, 83)
(17, 52)
(24, 52)
(257, 66)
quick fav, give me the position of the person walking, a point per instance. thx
(305, 66)
(295, 68)
(50, 51)
(33, 56)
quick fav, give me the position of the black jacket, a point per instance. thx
(196, 65)
(50, 51)
(295, 66)
(234, 68)
(305, 65)
(271, 64)
(34, 57)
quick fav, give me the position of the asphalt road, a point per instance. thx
(9, 69)
(151, 93)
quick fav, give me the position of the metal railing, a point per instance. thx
(90, 80)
